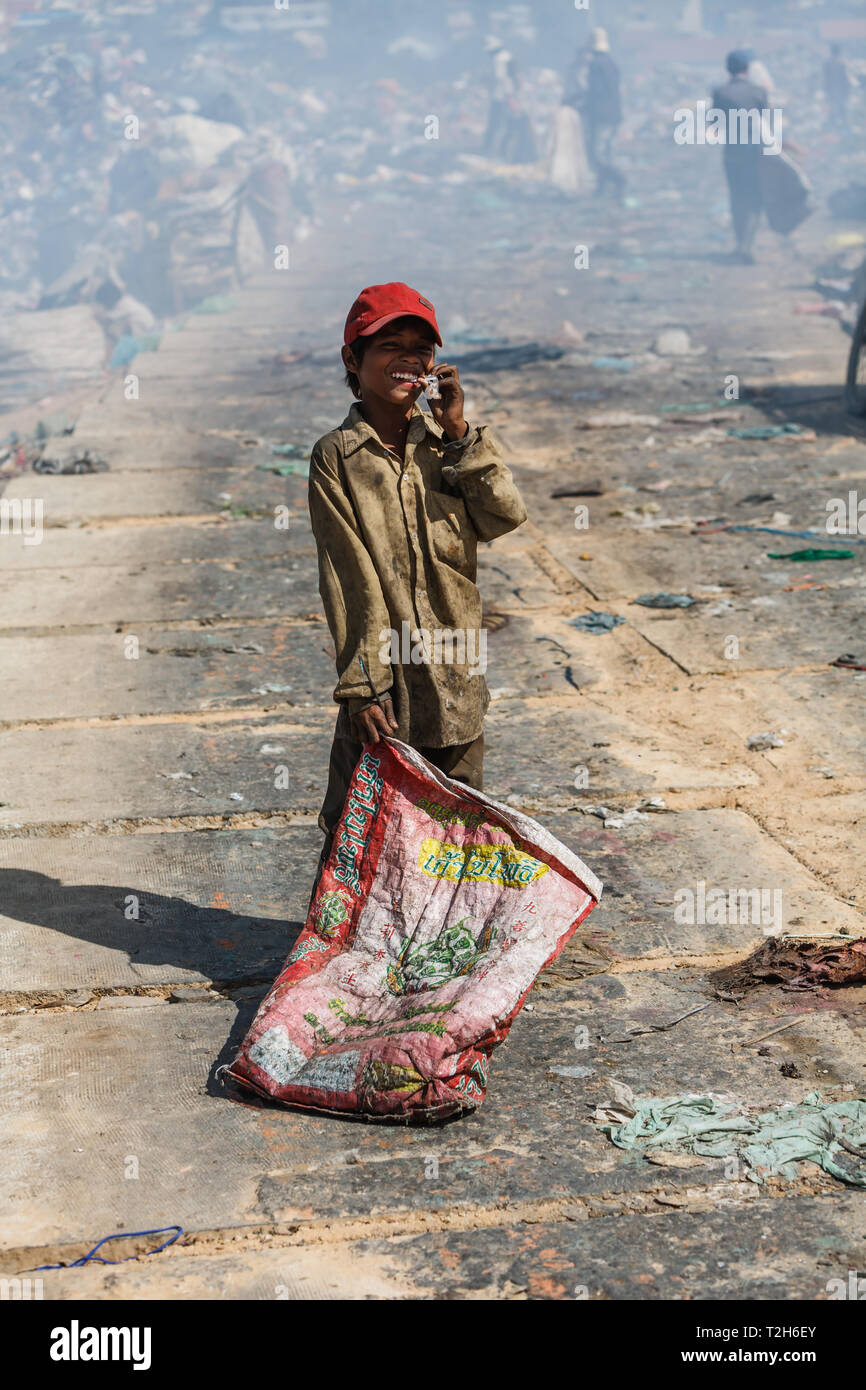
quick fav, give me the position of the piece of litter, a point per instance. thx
(593, 487)
(616, 419)
(658, 1027)
(613, 364)
(573, 1072)
(664, 600)
(759, 742)
(596, 622)
(798, 556)
(121, 1235)
(765, 431)
(673, 342)
(770, 1143)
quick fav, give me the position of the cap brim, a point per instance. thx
(402, 314)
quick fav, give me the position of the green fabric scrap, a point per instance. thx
(293, 469)
(811, 554)
(766, 431)
(771, 1143)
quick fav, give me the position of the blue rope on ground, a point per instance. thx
(801, 535)
(122, 1235)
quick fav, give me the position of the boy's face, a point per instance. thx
(393, 358)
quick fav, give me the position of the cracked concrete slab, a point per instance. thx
(81, 1097)
(277, 586)
(753, 1249)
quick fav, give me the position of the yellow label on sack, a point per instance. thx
(503, 864)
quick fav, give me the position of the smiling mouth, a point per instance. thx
(411, 377)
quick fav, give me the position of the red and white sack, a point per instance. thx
(436, 910)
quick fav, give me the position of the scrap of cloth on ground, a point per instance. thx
(435, 912)
(771, 1143)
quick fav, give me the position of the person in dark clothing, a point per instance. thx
(742, 156)
(602, 113)
(837, 89)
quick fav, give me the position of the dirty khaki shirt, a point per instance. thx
(397, 546)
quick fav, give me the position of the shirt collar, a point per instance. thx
(356, 432)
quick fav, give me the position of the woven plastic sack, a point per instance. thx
(436, 911)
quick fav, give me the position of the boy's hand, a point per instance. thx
(448, 410)
(375, 720)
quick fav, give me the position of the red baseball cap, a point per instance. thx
(379, 304)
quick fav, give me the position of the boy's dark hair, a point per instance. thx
(359, 347)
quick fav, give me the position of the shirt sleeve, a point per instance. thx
(349, 585)
(486, 485)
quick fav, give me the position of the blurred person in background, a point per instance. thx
(509, 136)
(742, 159)
(602, 112)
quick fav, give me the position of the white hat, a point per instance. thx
(600, 41)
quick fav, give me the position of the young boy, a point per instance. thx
(398, 501)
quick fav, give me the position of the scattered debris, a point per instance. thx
(121, 1235)
(759, 742)
(782, 1028)
(828, 308)
(596, 622)
(616, 419)
(673, 342)
(615, 819)
(70, 461)
(766, 431)
(287, 470)
(812, 554)
(79, 997)
(771, 1143)
(613, 364)
(798, 964)
(507, 359)
(592, 487)
(658, 1027)
(664, 600)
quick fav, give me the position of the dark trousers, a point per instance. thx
(745, 215)
(599, 145)
(463, 762)
(742, 171)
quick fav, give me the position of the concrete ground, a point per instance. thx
(164, 648)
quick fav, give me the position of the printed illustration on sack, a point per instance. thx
(331, 911)
(453, 952)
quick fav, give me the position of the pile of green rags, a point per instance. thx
(770, 1143)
